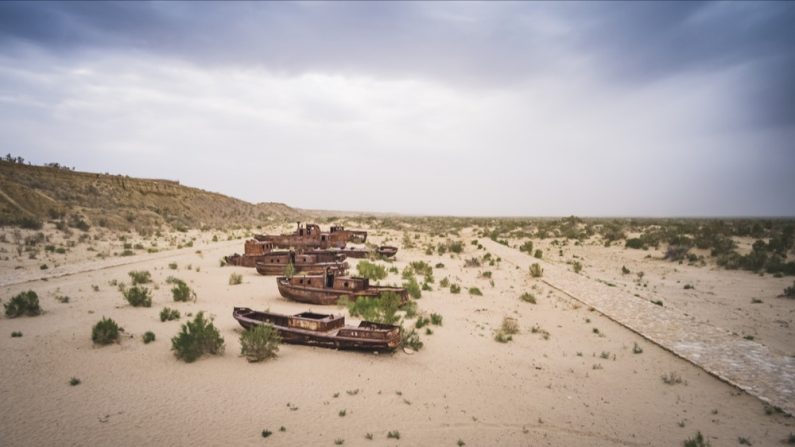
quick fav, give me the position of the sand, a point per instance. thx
(574, 387)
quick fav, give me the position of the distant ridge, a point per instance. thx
(30, 195)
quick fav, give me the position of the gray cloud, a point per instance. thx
(614, 108)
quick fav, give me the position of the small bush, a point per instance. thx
(413, 288)
(259, 343)
(455, 289)
(105, 332)
(168, 314)
(410, 339)
(696, 441)
(197, 337)
(474, 291)
(379, 310)
(140, 277)
(527, 247)
(576, 266)
(528, 297)
(235, 279)
(672, 378)
(149, 337)
(172, 266)
(444, 283)
(138, 296)
(789, 292)
(375, 272)
(536, 271)
(637, 349)
(393, 435)
(507, 330)
(181, 291)
(436, 319)
(16, 334)
(25, 303)
(538, 254)
(624, 270)
(74, 381)
(421, 322)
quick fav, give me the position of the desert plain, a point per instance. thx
(572, 375)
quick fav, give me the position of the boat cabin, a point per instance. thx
(254, 247)
(315, 322)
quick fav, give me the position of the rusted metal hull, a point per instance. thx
(328, 296)
(312, 237)
(267, 269)
(243, 260)
(386, 251)
(300, 330)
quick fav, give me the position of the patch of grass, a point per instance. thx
(393, 435)
(436, 319)
(576, 266)
(657, 302)
(74, 381)
(528, 298)
(444, 283)
(636, 349)
(367, 269)
(475, 291)
(148, 337)
(536, 271)
(197, 337)
(140, 277)
(172, 265)
(538, 254)
(624, 270)
(789, 292)
(16, 334)
(342, 413)
(368, 436)
(24, 303)
(421, 322)
(455, 289)
(138, 296)
(413, 288)
(235, 279)
(105, 332)
(339, 441)
(266, 433)
(260, 342)
(688, 287)
(461, 443)
(507, 330)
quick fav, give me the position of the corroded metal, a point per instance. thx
(310, 236)
(329, 288)
(310, 262)
(323, 330)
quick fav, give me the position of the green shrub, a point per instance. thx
(577, 266)
(168, 314)
(140, 277)
(105, 332)
(444, 283)
(436, 319)
(527, 247)
(172, 266)
(25, 303)
(138, 296)
(197, 337)
(260, 342)
(789, 292)
(624, 270)
(696, 441)
(393, 435)
(289, 270)
(538, 254)
(181, 291)
(149, 337)
(528, 297)
(475, 291)
(16, 334)
(375, 272)
(410, 339)
(379, 310)
(421, 322)
(235, 279)
(413, 288)
(455, 289)
(536, 271)
(74, 381)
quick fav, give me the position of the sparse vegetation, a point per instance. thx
(380, 310)
(172, 265)
(138, 296)
(370, 270)
(474, 291)
(197, 337)
(16, 334)
(235, 279)
(260, 343)
(410, 339)
(455, 289)
(507, 330)
(74, 381)
(536, 271)
(696, 441)
(105, 332)
(168, 314)
(140, 277)
(181, 291)
(672, 378)
(24, 303)
(413, 288)
(148, 337)
(393, 435)
(528, 298)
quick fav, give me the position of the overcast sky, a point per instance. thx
(600, 109)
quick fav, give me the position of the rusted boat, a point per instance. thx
(253, 251)
(325, 330)
(385, 251)
(276, 262)
(329, 288)
(311, 236)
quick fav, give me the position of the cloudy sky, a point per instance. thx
(600, 109)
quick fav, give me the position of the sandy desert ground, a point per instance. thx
(557, 383)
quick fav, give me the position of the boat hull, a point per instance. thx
(311, 269)
(327, 296)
